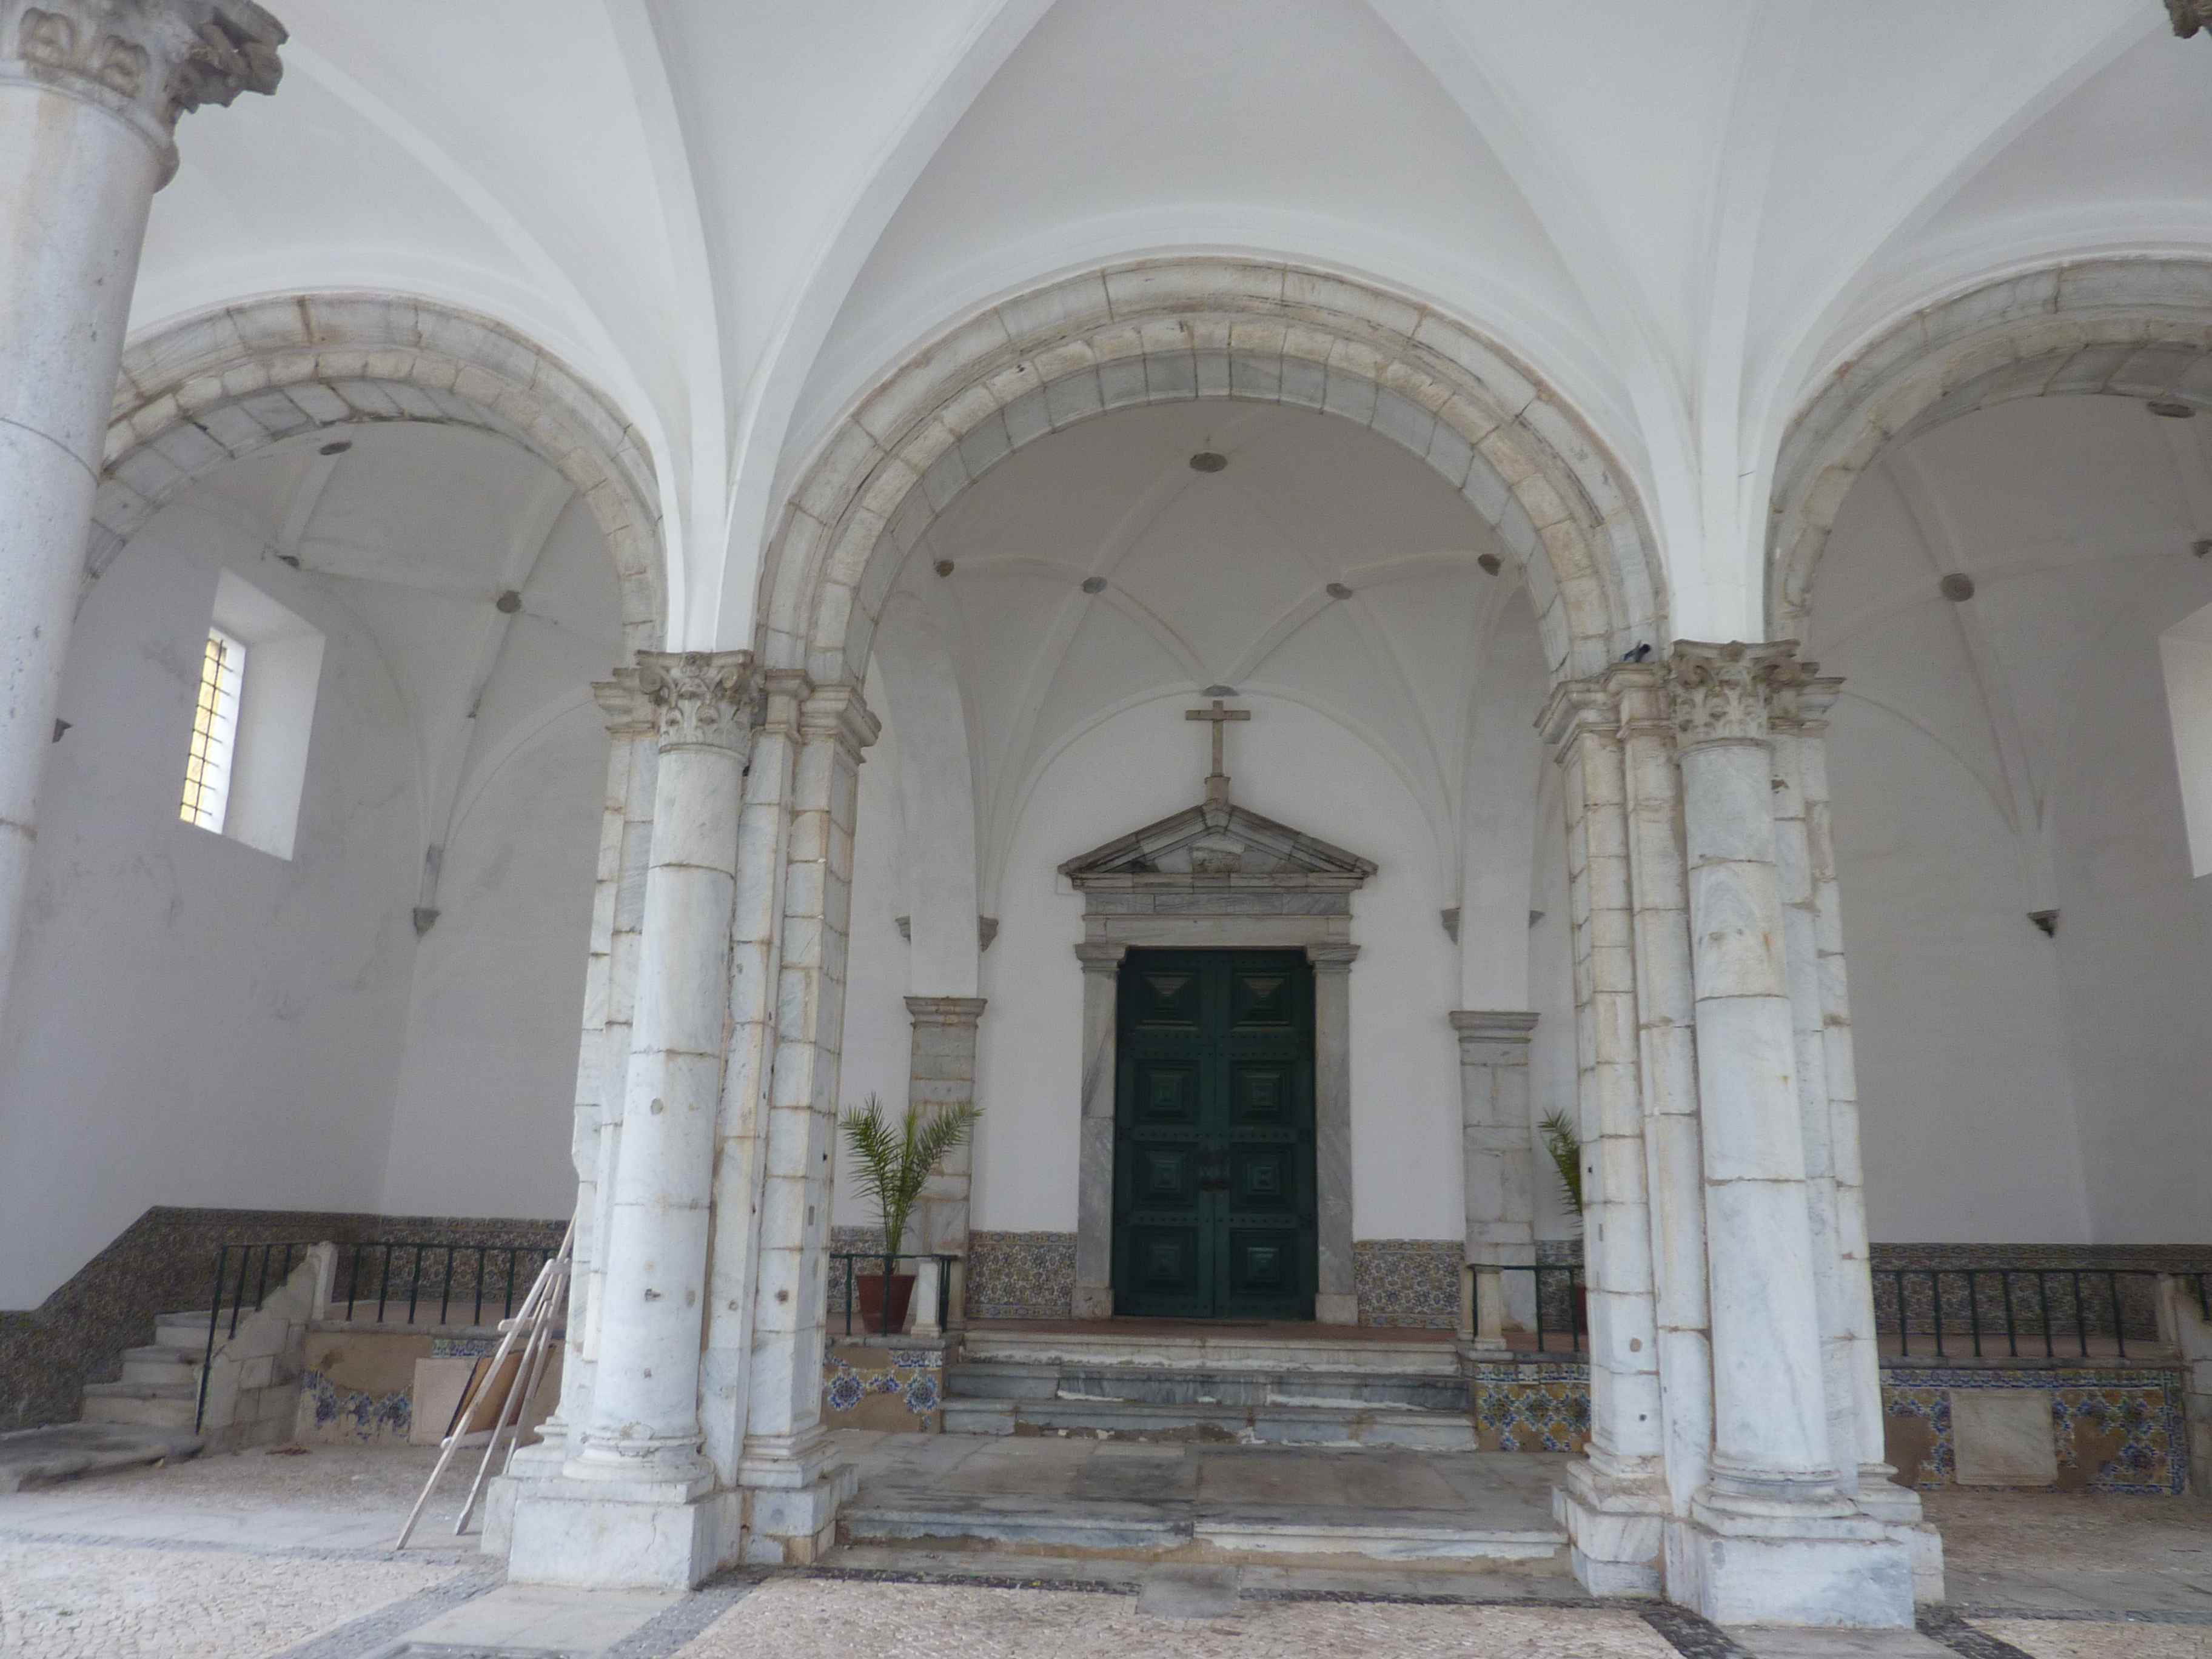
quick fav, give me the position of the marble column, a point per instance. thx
(741, 1135)
(1667, 1048)
(1613, 1499)
(596, 1113)
(793, 1484)
(1774, 1536)
(90, 94)
(1336, 1299)
(1852, 1336)
(941, 1073)
(634, 1505)
(1497, 1148)
(1094, 1201)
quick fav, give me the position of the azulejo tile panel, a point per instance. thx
(870, 1386)
(1021, 1275)
(1408, 1283)
(330, 1411)
(1539, 1406)
(2116, 1430)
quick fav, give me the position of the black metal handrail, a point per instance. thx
(234, 1294)
(472, 1274)
(1553, 1284)
(2061, 1306)
(884, 1262)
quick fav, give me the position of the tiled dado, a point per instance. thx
(1542, 1405)
(2120, 1431)
(877, 1385)
(1408, 1283)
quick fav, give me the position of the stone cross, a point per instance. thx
(1217, 783)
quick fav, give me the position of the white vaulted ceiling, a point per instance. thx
(1207, 578)
(735, 219)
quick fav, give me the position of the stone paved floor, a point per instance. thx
(265, 1557)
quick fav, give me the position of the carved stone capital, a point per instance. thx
(1332, 959)
(1101, 955)
(1491, 1025)
(699, 699)
(946, 1011)
(2188, 17)
(145, 61)
(1731, 693)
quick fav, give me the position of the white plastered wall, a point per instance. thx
(196, 1022)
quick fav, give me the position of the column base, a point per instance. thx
(539, 1460)
(1836, 1570)
(1880, 1498)
(620, 1535)
(1615, 1530)
(1093, 1302)
(791, 1490)
(1336, 1310)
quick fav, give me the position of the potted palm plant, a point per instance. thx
(893, 1161)
(1564, 1147)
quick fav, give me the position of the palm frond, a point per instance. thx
(893, 1162)
(1564, 1146)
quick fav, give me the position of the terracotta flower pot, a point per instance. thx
(872, 1303)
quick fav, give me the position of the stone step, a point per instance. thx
(1073, 1526)
(1220, 1386)
(161, 1363)
(1253, 1348)
(1353, 1424)
(33, 1457)
(188, 1331)
(149, 1404)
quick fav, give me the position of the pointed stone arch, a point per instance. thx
(2129, 328)
(210, 388)
(1182, 329)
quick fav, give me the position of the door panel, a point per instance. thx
(1213, 1190)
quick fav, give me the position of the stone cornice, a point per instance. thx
(1574, 708)
(839, 711)
(146, 62)
(946, 1011)
(1807, 709)
(699, 699)
(1642, 697)
(629, 710)
(1492, 1025)
(1729, 693)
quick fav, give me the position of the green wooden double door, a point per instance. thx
(1213, 1146)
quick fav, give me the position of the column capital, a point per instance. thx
(146, 62)
(697, 699)
(1729, 693)
(1100, 956)
(839, 711)
(1807, 711)
(1337, 958)
(1491, 1025)
(946, 1011)
(1642, 697)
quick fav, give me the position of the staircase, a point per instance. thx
(161, 1383)
(1250, 1388)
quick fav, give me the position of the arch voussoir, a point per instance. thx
(2133, 328)
(216, 387)
(1179, 331)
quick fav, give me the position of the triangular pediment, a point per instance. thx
(1217, 843)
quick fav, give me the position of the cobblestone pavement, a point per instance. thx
(84, 1601)
(799, 1618)
(261, 1556)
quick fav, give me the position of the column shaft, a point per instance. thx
(741, 1152)
(1667, 1038)
(1770, 1433)
(89, 96)
(644, 1423)
(785, 1452)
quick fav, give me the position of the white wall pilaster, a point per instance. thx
(1497, 1148)
(89, 97)
(941, 1074)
